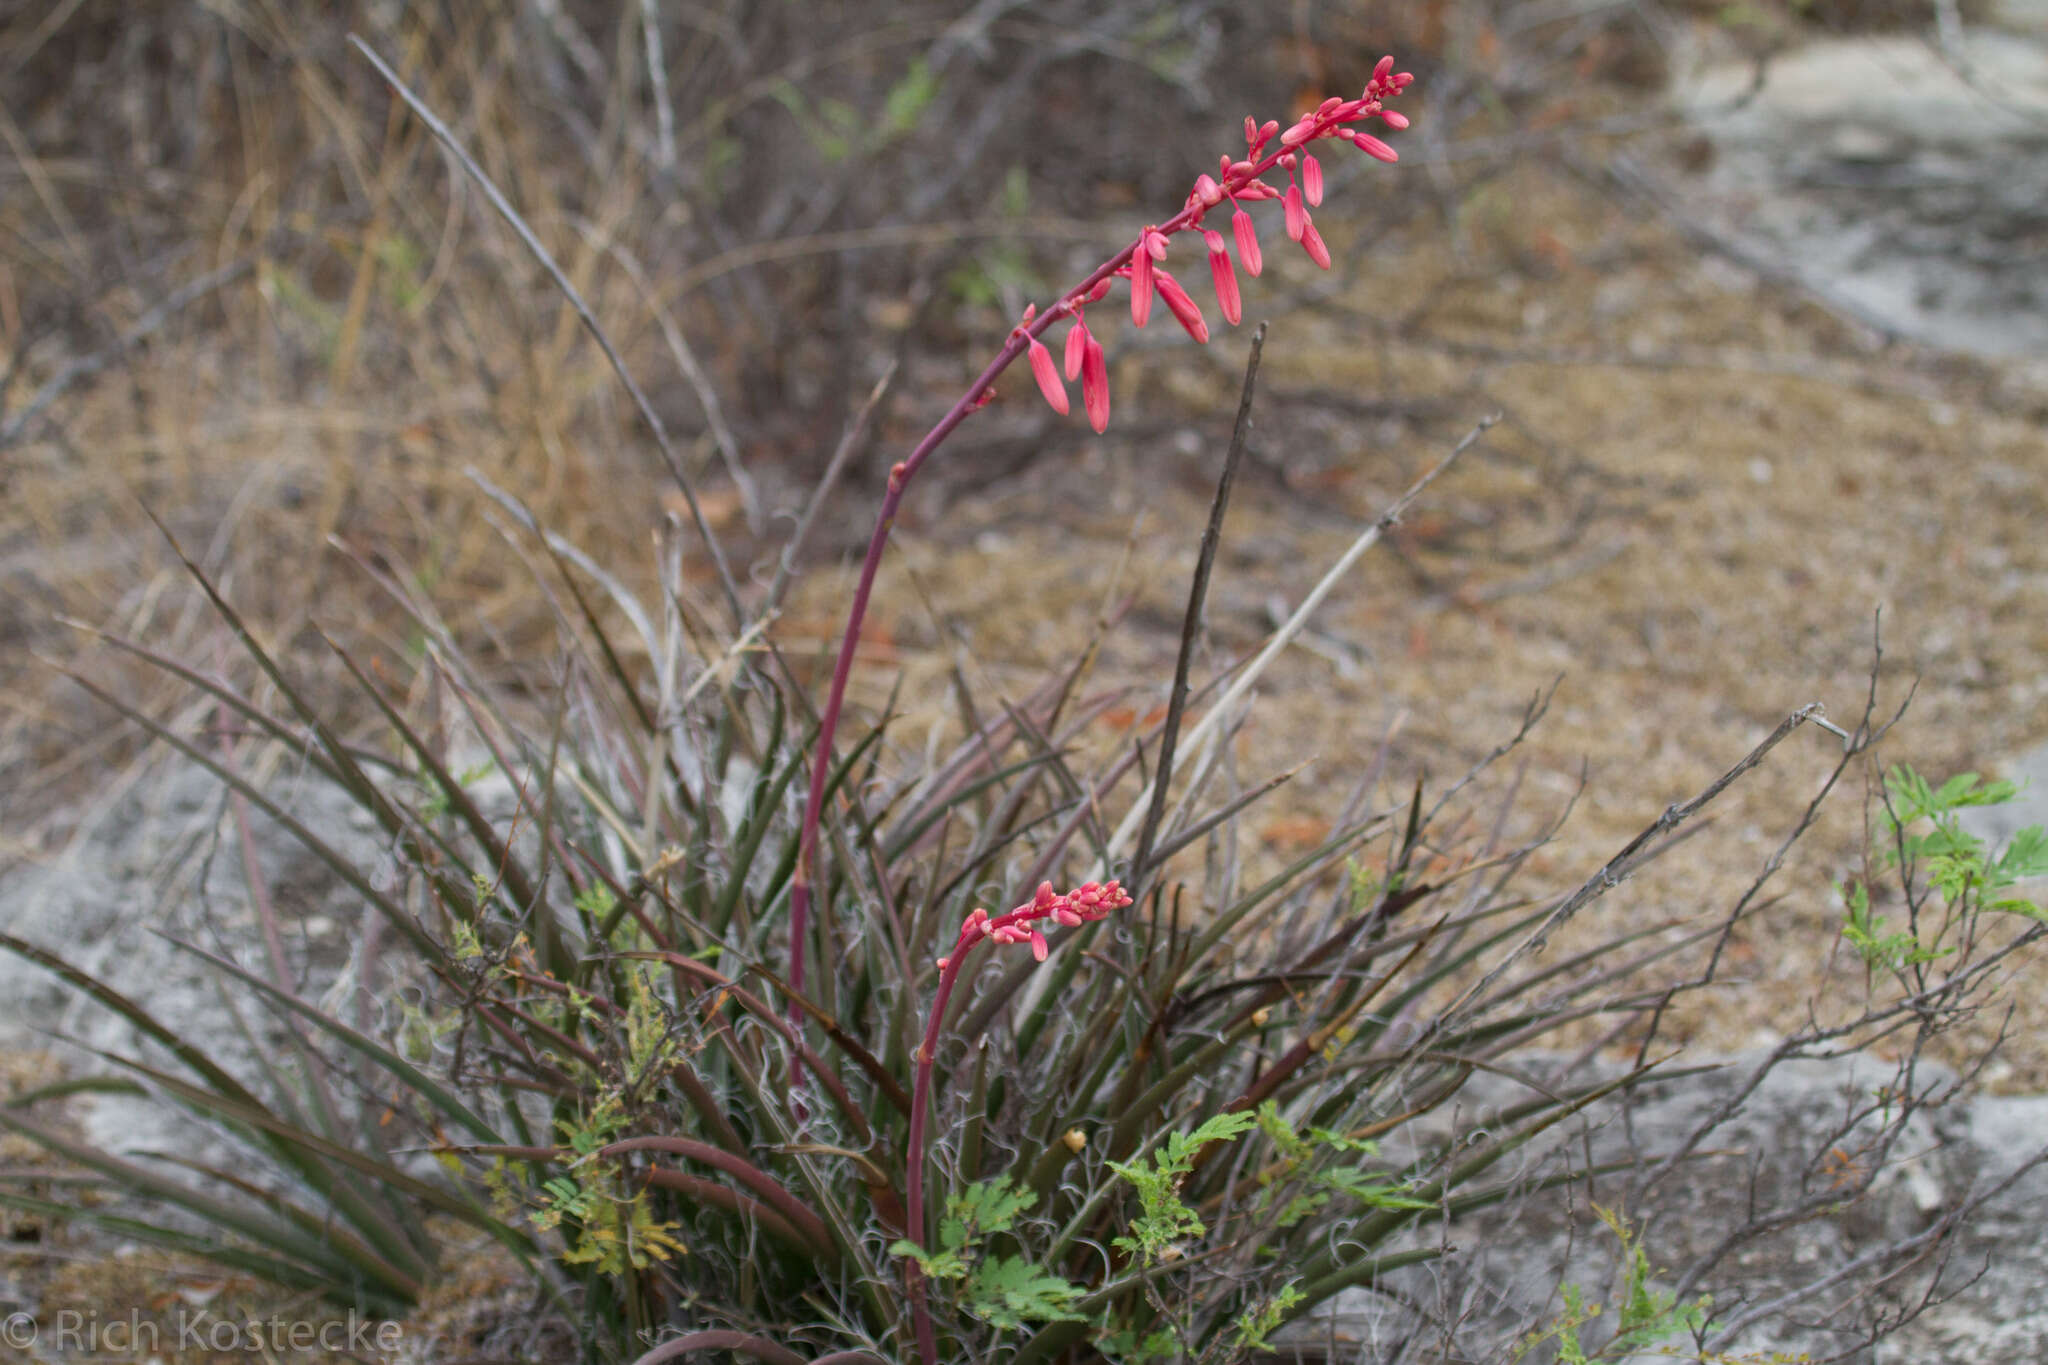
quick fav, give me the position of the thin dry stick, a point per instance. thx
(722, 439)
(1191, 623)
(505, 210)
(1293, 627)
(856, 435)
(86, 366)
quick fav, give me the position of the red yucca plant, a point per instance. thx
(1197, 1111)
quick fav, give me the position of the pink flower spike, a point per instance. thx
(1297, 216)
(1095, 385)
(1375, 148)
(1312, 179)
(1247, 242)
(1048, 376)
(1141, 285)
(1077, 338)
(1312, 243)
(1395, 119)
(1183, 308)
(1225, 276)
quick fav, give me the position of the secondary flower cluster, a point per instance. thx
(1089, 901)
(1239, 182)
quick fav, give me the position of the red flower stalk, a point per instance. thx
(1239, 182)
(1089, 901)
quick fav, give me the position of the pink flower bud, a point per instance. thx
(1048, 377)
(1154, 241)
(1268, 128)
(1208, 191)
(1070, 918)
(1039, 947)
(1381, 68)
(1225, 277)
(1375, 148)
(1141, 285)
(1251, 130)
(1077, 338)
(944, 963)
(1312, 179)
(1255, 190)
(1298, 134)
(1044, 897)
(1297, 216)
(1095, 385)
(1183, 308)
(1327, 105)
(1100, 291)
(1247, 242)
(1312, 243)
(1394, 118)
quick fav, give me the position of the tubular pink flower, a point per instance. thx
(1312, 179)
(1183, 308)
(1039, 947)
(1312, 243)
(1095, 385)
(1247, 243)
(1141, 286)
(1375, 148)
(1207, 192)
(1394, 118)
(1297, 216)
(1077, 340)
(1048, 376)
(1224, 274)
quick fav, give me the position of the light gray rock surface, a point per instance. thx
(1778, 1147)
(156, 861)
(1903, 178)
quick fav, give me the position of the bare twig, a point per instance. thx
(147, 325)
(1191, 622)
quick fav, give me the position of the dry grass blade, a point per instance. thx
(498, 201)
